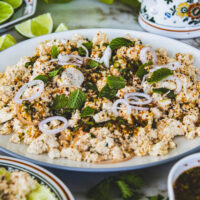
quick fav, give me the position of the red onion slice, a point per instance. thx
(130, 98)
(53, 131)
(115, 107)
(106, 57)
(72, 77)
(143, 55)
(17, 99)
(178, 82)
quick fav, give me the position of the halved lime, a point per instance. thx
(40, 25)
(6, 41)
(6, 11)
(14, 3)
(61, 27)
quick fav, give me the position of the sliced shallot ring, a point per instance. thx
(106, 57)
(115, 106)
(72, 77)
(130, 97)
(53, 131)
(178, 82)
(139, 108)
(17, 99)
(143, 55)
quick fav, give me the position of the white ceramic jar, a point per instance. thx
(180, 167)
(172, 18)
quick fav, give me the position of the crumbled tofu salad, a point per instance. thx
(19, 185)
(99, 101)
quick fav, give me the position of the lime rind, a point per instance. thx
(61, 27)
(40, 25)
(6, 11)
(14, 3)
(6, 41)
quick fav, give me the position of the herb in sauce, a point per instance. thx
(187, 185)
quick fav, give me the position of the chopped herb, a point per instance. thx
(31, 62)
(88, 45)
(142, 71)
(164, 91)
(115, 82)
(88, 111)
(91, 86)
(29, 108)
(108, 92)
(120, 42)
(54, 51)
(159, 74)
(110, 187)
(42, 78)
(76, 99)
(55, 72)
(93, 64)
(60, 102)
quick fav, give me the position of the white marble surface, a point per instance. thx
(93, 14)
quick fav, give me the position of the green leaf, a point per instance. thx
(88, 111)
(91, 86)
(55, 72)
(93, 64)
(76, 99)
(108, 92)
(115, 82)
(31, 62)
(107, 1)
(125, 189)
(164, 91)
(42, 78)
(54, 51)
(159, 75)
(60, 102)
(158, 197)
(142, 71)
(120, 42)
(88, 45)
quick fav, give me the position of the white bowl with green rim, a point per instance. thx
(44, 177)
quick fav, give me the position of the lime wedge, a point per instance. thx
(6, 11)
(14, 3)
(42, 193)
(6, 41)
(40, 25)
(61, 27)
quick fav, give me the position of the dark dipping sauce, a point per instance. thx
(187, 185)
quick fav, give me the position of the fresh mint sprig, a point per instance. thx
(54, 51)
(42, 78)
(120, 42)
(88, 111)
(141, 72)
(163, 91)
(60, 102)
(115, 82)
(159, 75)
(55, 72)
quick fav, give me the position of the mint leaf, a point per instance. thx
(59, 102)
(54, 51)
(125, 189)
(88, 111)
(88, 45)
(108, 92)
(120, 42)
(42, 78)
(93, 64)
(115, 82)
(160, 74)
(142, 71)
(91, 86)
(55, 72)
(76, 99)
(164, 91)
